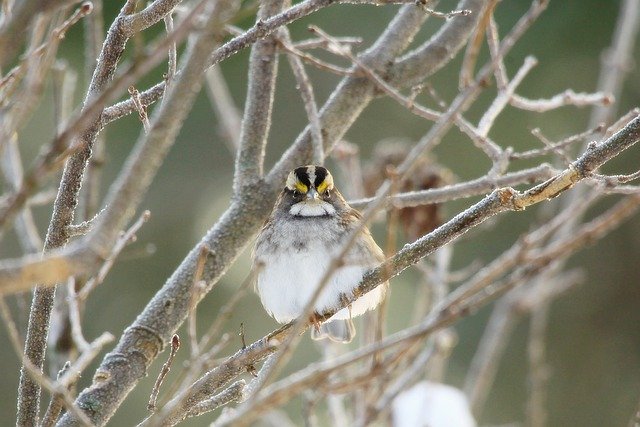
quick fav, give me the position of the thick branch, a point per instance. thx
(263, 65)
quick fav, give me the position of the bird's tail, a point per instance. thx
(339, 330)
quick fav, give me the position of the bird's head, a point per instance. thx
(309, 192)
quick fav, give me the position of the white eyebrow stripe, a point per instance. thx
(291, 181)
(311, 172)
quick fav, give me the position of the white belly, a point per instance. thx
(286, 284)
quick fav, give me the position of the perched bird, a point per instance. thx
(307, 228)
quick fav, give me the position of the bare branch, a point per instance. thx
(142, 112)
(473, 48)
(263, 65)
(617, 59)
(175, 345)
(56, 404)
(233, 393)
(568, 97)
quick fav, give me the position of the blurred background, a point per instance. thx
(594, 332)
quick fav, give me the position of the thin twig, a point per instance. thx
(233, 393)
(175, 346)
(552, 147)
(142, 111)
(224, 106)
(56, 404)
(568, 97)
(125, 239)
(196, 291)
(310, 59)
(173, 54)
(473, 47)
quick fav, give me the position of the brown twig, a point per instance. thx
(142, 111)
(175, 346)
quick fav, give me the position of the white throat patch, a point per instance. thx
(315, 208)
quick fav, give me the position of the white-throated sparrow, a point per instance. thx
(308, 226)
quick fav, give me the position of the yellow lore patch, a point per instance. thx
(301, 187)
(323, 186)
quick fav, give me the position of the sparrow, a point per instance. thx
(307, 228)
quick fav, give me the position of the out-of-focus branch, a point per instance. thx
(228, 115)
(616, 61)
(503, 320)
(635, 418)
(13, 30)
(104, 87)
(26, 229)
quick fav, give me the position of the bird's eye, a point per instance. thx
(327, 194)
(296, 193)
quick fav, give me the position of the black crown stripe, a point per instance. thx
(302, 175)
(321, 174)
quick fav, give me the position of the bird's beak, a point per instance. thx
(312, 194)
